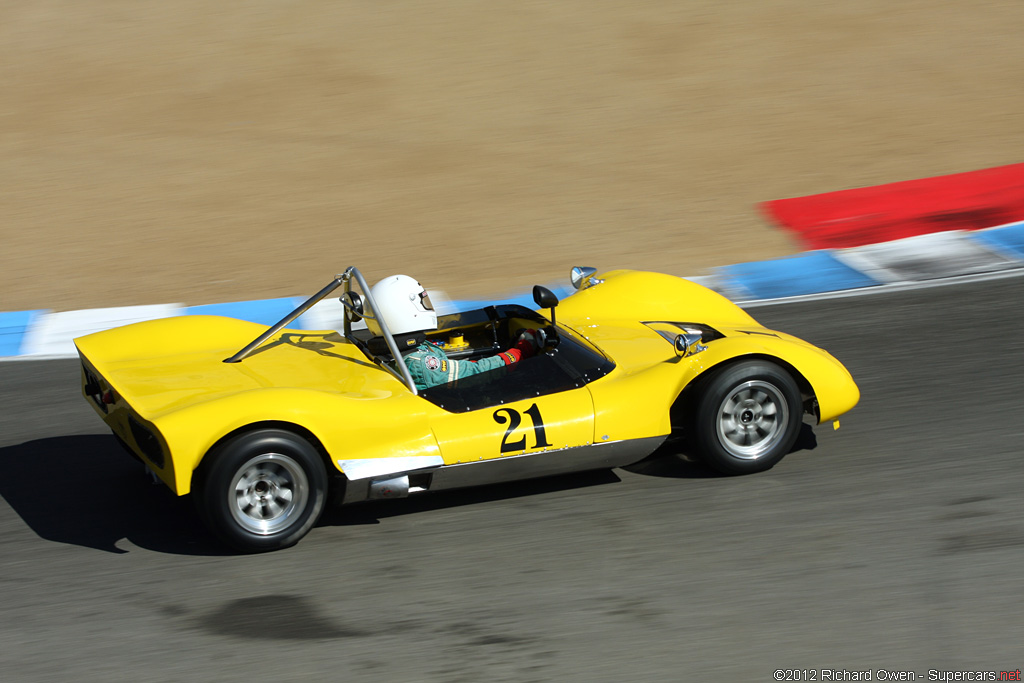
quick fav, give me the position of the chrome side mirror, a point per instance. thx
(583, 276)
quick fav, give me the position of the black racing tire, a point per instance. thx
(262, 490)
(747, 417)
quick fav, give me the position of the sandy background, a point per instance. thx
(202, 152)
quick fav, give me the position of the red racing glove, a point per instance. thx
(527, 344)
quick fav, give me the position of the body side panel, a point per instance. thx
(553, 421)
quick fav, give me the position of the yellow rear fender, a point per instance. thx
(178, 336)
(344, 428)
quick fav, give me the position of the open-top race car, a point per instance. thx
(260, 425)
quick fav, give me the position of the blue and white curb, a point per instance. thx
(915, 260)
(13, 328)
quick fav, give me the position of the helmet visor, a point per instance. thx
(425, 300)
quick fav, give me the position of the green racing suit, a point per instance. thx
(429, 365)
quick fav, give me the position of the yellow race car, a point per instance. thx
(259, 425)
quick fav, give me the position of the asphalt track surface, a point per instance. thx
(895, 543)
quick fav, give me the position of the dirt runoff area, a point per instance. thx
(201, 152)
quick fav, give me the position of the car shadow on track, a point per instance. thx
(85, 490)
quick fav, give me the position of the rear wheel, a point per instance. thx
(747, 417)
(262, 490)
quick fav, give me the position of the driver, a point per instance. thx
(404, 305)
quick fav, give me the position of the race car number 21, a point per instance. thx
(512, 416)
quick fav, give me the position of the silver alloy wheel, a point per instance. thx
(268, 493)
(752, 419)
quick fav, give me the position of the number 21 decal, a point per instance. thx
(540, 439)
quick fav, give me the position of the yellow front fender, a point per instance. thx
(827, 378)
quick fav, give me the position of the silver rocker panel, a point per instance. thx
(525, 466)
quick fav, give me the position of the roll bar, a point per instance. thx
(402, 373)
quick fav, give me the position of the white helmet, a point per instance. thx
(403, 304)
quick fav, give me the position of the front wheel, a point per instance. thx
(747, 418)
(262, 490)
